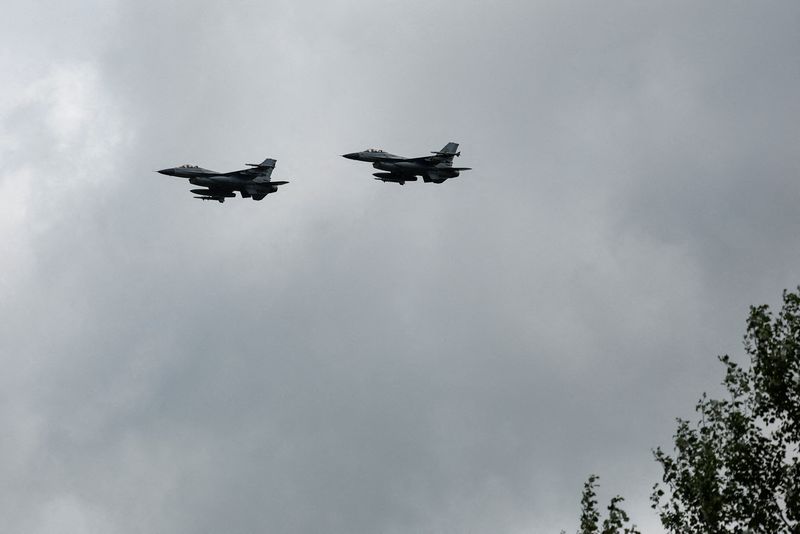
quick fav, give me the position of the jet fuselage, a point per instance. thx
(253, 183)
(398, 169)
(212, 180)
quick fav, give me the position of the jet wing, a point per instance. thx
(257, 170)
(251, 174)
(433, 160)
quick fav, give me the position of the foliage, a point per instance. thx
(737, 469)
(616, 521)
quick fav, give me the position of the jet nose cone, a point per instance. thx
(352, 155)
(167, 172)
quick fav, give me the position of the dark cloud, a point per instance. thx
(348, 356)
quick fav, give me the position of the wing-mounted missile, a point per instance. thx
(446, 154)
(218, 199)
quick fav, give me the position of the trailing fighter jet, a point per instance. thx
(254, 182)
(436, 168)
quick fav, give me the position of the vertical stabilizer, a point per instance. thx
(269, 162)
(262, 171)
(449, 149)
(444, 157)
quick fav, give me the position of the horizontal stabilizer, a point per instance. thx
(278, 183)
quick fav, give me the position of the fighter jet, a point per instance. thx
(436, 168)
(255, 182)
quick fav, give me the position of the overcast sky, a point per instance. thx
(348, 356)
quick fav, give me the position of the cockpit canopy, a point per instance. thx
(374, 150)
(188, 166)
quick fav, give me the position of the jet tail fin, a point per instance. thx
(261, 173)
(269, 163)
(450, 149)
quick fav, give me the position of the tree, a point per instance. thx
(737, 469)
(616, 521)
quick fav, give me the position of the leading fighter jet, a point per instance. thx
(255, 182)
(436, 168)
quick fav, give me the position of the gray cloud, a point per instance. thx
(347, 356)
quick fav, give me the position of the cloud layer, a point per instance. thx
(352, 356)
